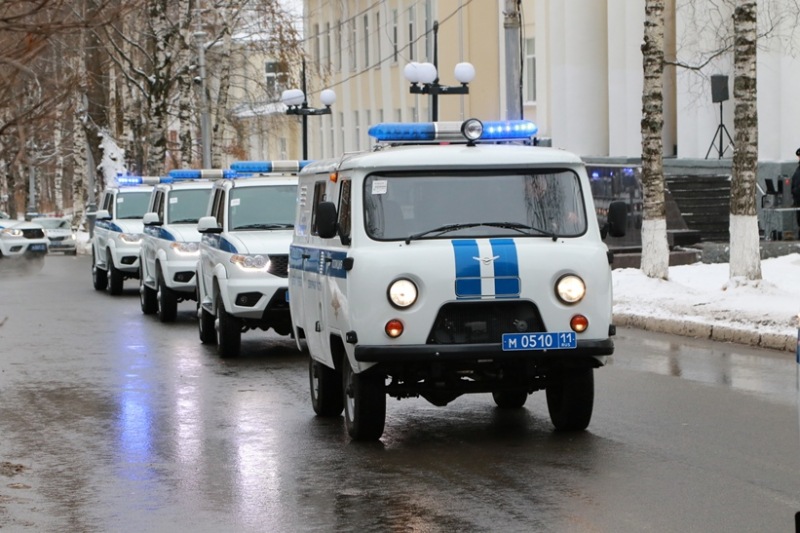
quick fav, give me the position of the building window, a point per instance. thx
(358, 130)
(339, 47)
(332, 138)
(327, 59)
(366, 41)
(274, 80)
(530, 70)
(284, 154)
(394, 36)
(412, 34)
(378, 57)
(398, 115)
(342, 132)
(317, 44)
(352, 47)
(369, 124)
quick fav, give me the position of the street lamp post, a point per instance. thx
(205, 125)
(297, 103)
(424, 77)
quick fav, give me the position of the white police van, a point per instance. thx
(118, 233)
(244, 254)
(171, 244)
(435, 270)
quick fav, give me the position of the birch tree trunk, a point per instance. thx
(745, 249)
(58, 173)
(79, 196)
(655, 247)
(159, 88)
(220, 117)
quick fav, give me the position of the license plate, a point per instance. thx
(38, 247)
(553, 340)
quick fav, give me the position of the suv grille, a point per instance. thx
(484, 322)
(33, 233)
(279, 265)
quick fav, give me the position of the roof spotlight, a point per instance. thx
(472, 129)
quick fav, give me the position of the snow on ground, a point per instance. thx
(703, 295)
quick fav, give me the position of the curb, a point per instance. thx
(700, 330)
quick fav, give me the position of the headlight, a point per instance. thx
(251, 262)
(131, 238)
(13, 232)
(570, 289)
(186, 248)
(73, 237)
(403, 293)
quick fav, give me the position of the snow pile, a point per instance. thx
(703, 294)
(113, 162)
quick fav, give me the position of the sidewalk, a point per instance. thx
(699, 300)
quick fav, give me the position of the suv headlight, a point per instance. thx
(185, 248)
(13, 232)
(251, 262)
(570, 289)
(131, 238)
(402, 293)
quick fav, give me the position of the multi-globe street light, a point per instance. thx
(297, 103)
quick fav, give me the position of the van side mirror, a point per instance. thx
(326, 220)
(208, 225)
(616, 221)
(103, 214)
(151, 219)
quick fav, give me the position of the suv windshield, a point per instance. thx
(545, 203)
(187, 206)
(263, 207)
(52, 223)
(132, 204)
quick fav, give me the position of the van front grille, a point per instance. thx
(484, 322)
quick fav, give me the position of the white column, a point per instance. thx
(625, 77)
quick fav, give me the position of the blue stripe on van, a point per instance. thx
(468, 269)
(506, 268)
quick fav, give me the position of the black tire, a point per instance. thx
(99, 277)
(364, 403)
(166, 300)
(326, 389)
(205, 324)
(147, 296)
(510, 399)
(570, 399)
(115, 277)
(229, 332)
(71, 252)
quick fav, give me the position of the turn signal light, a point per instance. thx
(579, 323)
(394, 328)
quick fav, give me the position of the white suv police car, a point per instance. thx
(118, 233)
(171, 244)
(23, 240)
(244, 254)
(438, 270)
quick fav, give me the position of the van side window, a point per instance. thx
(344, 212)
(319, 196)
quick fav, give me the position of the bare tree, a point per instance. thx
(745, 254)
(655, 247)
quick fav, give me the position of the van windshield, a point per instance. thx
(259, 208)
(403, 206)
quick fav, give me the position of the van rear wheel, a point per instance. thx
(364, 403)
(326, 389)
(570, 398)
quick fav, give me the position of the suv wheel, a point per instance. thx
(147, 296)
(364, 403)
(115, 277)
(167, 302)
(205, 323)
(229, 332)
(99, 278)
(326, 389)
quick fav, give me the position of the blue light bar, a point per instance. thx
(451, 131)
(269, 166)
(193, 174)
(398, 131)
(129, 180)
(509, 129)
(125, 180)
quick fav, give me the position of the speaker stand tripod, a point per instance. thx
(720, 130)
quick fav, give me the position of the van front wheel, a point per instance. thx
(364, 403)
(570, 398)
(326, 389)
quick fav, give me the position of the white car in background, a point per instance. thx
(60, 234)
(242, 274)
(118, 234)
(170, 246)
(23, 241)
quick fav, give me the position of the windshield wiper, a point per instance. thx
(521, 228)
(442, 229)
(264, 226)
(185, 221)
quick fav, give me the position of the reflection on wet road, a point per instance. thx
(120, 423)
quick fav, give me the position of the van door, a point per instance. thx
(312, 278)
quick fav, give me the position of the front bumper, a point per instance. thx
(427, 353)
(273, 291)
(67, 245)
(126, 257)
(21, 247)
(180, 276)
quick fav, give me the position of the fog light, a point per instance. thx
(579, 323)
(394, 328)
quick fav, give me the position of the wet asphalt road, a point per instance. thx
(111, 421)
